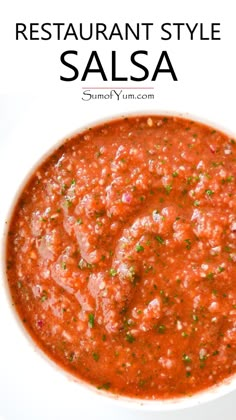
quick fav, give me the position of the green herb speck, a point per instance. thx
(161, 329)
(63, 265)
(168, 188)
(188, 243)
(186, 358)
(209, 192)
(139, 248)
(113, 272)
(159, 239)
(96, 357)
(91, 320)
(44, 296)
(130, 338)
(106, 386)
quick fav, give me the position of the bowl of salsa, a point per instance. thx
(121, 259)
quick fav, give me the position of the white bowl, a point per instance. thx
(196, 399)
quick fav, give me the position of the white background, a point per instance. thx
(37, 109)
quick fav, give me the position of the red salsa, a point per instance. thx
(121, 256)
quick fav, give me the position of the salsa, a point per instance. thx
(121, 256)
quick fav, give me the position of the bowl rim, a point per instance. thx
(212, 393)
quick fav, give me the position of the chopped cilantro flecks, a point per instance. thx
(68, 203)
(139, 248)
(96, 357)
(188, 243)
(161, 329)
(159, 239)
(168, 188)
(130, 338)
(186, 358)
(44, 296)
(63, 189)
(106, 386)
(91, 320)
(209, 192)
(113, 272)
(71, 357)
